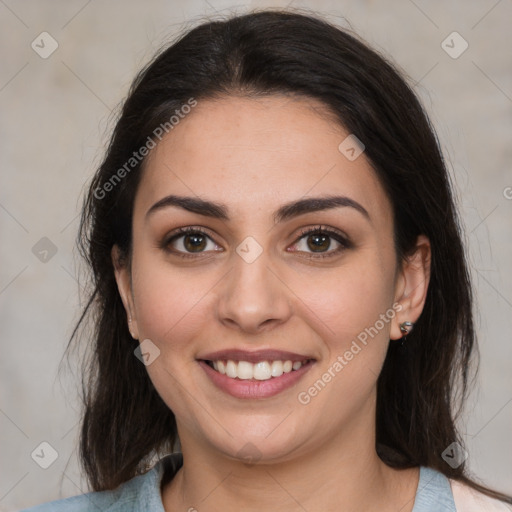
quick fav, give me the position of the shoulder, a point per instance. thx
(83, 503)
(123, 498)
(433, 492)
(140, 493)
(468, 499)
(440, 493)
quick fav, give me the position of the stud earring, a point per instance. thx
(405, 329)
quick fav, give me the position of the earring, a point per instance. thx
(405, 329)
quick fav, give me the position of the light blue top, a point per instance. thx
(142, 493)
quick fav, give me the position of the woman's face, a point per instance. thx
(253, 284)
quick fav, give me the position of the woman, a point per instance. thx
(273, 222)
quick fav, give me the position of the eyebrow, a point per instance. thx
(285, 212)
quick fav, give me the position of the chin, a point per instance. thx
(268, 441)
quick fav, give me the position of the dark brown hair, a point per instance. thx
(421, 390)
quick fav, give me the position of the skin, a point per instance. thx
(254, 155)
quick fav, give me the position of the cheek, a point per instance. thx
(355, 319)
(348, 300)
(170, 309)
(353, 308)
(169, 302)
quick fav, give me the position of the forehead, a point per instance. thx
(256, 154)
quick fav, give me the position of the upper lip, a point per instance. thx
(253, 356)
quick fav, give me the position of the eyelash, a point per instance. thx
(319, 230)
(322, 230)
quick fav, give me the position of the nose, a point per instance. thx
(252, 297)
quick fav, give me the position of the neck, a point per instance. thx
(344, 474)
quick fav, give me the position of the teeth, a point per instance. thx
(277, 369)
(245, 370)
(232, 369)
(263, 370)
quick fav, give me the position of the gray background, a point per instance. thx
(56, 113)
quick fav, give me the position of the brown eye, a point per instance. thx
(189, 241)
(319, 240)
(194, 242)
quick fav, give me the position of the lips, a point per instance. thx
(254, 356)
(254, 374)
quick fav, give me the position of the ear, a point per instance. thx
(123, 279)
(412, 285)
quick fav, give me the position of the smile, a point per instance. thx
(255, 380)
(262, 370)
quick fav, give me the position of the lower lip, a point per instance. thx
(255, 388)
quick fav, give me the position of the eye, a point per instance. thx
(185, 242)
(319, 240)
(188, 242)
